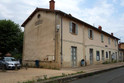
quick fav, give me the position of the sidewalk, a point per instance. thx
(91, 68)
(12, 76)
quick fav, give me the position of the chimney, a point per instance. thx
(100, 28)
(52, 5)
(119, 45)
(112, 34)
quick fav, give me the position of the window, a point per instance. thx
(106, 54)
(115, 42)
(73, 28)
(108, 40)
(38, 16)
(97, 56)
(109, 55)
(102, 40)
(90, 33)
(102, 55)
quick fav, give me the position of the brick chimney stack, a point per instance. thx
(52, 5)
(112, 34)
(100, 28)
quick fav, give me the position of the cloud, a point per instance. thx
(122, 3)
(114, 1)
(100, 13)
(5, 12)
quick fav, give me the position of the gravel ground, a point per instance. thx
(12, 76)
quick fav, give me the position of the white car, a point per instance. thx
(11, 62)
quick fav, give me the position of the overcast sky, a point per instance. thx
(107, 13)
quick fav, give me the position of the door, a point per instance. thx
(74, 56)
(116, 56)
(110, 56)
(91, 56)
(103, 55)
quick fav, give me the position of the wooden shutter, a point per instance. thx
(92, 35)
(101, 37)
(70, 26)
(76, 28)
(89, 33)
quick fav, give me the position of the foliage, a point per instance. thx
(106, 62)
(45, 77)
(11, 37)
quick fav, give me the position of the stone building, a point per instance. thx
(121, 51)
(58, 39)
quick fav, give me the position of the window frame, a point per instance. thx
(97, 55)
(109, 41)
(71, 30)
(107, 55)
(115, 42)
(90, 34)
(102, 38)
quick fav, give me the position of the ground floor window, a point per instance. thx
(106, 54)
(102, 55)
(97, 56)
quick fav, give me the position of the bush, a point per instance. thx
(106, 62)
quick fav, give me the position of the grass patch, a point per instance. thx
(54, 77)
(28, 81)
(108, 62)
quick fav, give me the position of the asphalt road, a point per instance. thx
(113, 76)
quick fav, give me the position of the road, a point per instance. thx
(113, 76)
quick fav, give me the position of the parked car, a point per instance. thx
(2, 64)
(10, 63)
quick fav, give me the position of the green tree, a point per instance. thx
(11, 37)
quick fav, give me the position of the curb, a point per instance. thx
(77, 76)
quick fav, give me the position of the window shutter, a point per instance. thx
(76, 28)
(92, 35)
(89, 33)
(101, 37)
(70, 26)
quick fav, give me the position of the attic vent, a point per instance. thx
(69, 14)
(38, 16)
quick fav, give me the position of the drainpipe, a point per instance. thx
(84, 53)
(61, 41)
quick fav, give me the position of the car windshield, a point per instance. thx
(10, 59)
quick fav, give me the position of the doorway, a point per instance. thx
(103, 55)
(74, 56)
(91, 56)
(110, 56)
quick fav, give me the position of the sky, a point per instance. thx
(107, 13)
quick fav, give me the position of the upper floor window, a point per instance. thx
(108, 40)
(90, 33)
(115, 42)
(38, 16)
(73, 28)
(102, 40)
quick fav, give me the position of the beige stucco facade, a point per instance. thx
(70, 40)
(39, 40)
(49, 40)
(97, 45)
(121, 51)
